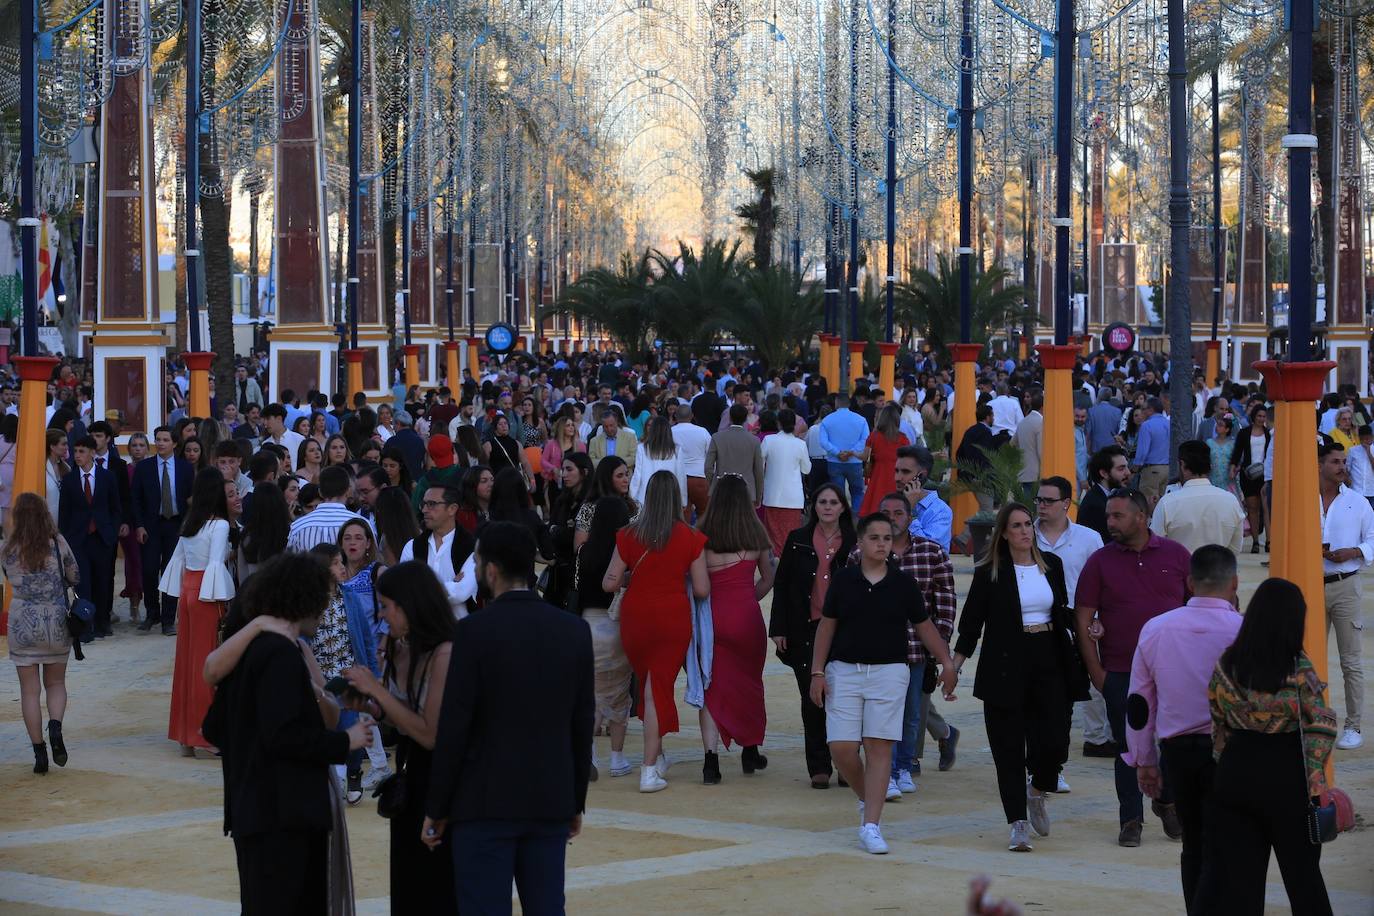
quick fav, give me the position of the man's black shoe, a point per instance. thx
(1105, 749)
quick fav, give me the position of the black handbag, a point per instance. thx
(1325, 818)
(80, 612)
(391, 793)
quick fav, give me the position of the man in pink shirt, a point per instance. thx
(1168, 700)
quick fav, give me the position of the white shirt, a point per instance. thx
(460, 586)
(1075, 545)
(785, 463)
(646, 467)
(692, 443)
(208, 550)
(320, 526)
(291, 441)
(1361, 467)
(1198, 514)
(1006, 413)
(1349, 522)
(383, 433)
(1037, 598)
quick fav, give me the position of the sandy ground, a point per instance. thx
(131, 827)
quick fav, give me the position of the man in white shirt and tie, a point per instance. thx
(692, 442)
(1347, 526)
(444, 544)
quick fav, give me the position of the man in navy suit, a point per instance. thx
(160, 491)
(90, 517)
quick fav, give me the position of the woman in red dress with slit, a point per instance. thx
(881, 457)
(737, 544)
(663, 558)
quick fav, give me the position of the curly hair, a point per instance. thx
(292, 586)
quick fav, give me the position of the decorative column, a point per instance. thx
(474, 352)
(1057, 458)
(374, 342)
(355, 358)
(856, 361)
(34, 374)
(1347, 340)
(130, 339)
(302, 344)
(1213, 368)
(199, 366)
(1250, 334)
(965, 399)
(887, 365)
(455, 378)
(412, 352)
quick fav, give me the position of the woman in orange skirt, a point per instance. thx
(198, 575)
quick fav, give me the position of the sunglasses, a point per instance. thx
(1049, 500)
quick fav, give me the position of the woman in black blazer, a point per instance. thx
(1027, 677)
(1243, 456)
(826, 540)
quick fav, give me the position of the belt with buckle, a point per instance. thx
(1037, 628)
(1337, 577)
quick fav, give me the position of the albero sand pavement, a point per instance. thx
(129, 826)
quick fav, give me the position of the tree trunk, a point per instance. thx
(219, 268)
(1324, 126)
(253, 198)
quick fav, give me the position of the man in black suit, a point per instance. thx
(161, 488)
(1108, 469)
(707, 408)
(91, 520)
(276, 729)
(978, 440)
(514, 787)
(107, 456)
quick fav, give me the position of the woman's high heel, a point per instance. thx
(40, 758)
(710, 770)
(59, 748)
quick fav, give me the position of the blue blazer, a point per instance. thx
(146, 491)
(74, 515)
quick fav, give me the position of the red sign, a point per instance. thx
(1119, 337)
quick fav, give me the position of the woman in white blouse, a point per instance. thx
(55, 467)
(658, 452)
(198, 575)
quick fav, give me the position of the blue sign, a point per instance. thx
(500, 338)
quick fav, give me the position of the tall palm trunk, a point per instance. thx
(216, 256)
(255, 194)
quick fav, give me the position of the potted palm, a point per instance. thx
(998, 479)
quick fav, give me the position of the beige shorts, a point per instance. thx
(865, 701)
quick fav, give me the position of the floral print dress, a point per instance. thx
(38, 611)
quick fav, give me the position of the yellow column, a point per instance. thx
(829, 364)
(887, 366)
(34, 372)
(473, 352)
(354, 358)
(455, 378)
(199, 366)
(1213, 363)
(1022, 348)
(1057, 458)
(856, 359)
(412, 352)
(1295, 520)
(965, 399)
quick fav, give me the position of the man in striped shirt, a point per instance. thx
(322, 524)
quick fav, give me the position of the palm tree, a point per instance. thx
(929, 304)
(761, 216)
(777, 316)
(696, 292)
(621, 301)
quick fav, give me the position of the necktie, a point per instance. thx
(167, 511)
(90, 498)
(100, 461)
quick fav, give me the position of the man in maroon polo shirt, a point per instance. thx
(1136, 577)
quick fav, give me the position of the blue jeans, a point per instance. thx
(1115, 689)
(851, 475)
(904, 752)
(347, 718)
(488, 855)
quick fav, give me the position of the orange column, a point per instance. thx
(29, 474)
(354, 359)
(1057, 458)
(1213, 368)
(856, 359)
(199, 366)
(455, 378)
(1022, 348)
(887, 366)
(474, 364)
(829, 363)
(412, 352)
(965, 399)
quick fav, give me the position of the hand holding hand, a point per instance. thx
(359, 736)
(949, 679)
(780, 642)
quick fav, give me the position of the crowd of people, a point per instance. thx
(337, 564)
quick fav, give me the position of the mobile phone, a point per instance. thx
(339, 686)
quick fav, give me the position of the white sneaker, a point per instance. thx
(1350, 739)
(1037, 812)
(662, 764)
(1020, 837)
(894, 794)
(1063, 787)
(905, 782)
(871, 839)
(375, 776)
(619, 765)
(650, 780)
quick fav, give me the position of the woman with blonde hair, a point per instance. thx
(1028, 676)
(654, 554)
(39, 566)
(737, 544)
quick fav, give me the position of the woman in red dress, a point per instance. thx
(736, 545)
(881, 457)
(664, 558)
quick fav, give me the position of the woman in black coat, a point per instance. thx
(1028, 674)
(1243, 457)
(809, 555)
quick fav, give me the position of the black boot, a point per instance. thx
(59, 749)
(40, 758)
(710, 770)
(752, 760)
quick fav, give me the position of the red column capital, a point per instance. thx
(410, 349)
(1214, 345)
(353, 356)
(450, 345)
(888, 349)
(198, 360)
(35, 368)
(1287, 381)
(857, 346)
(1054, 356)
(966, 352)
